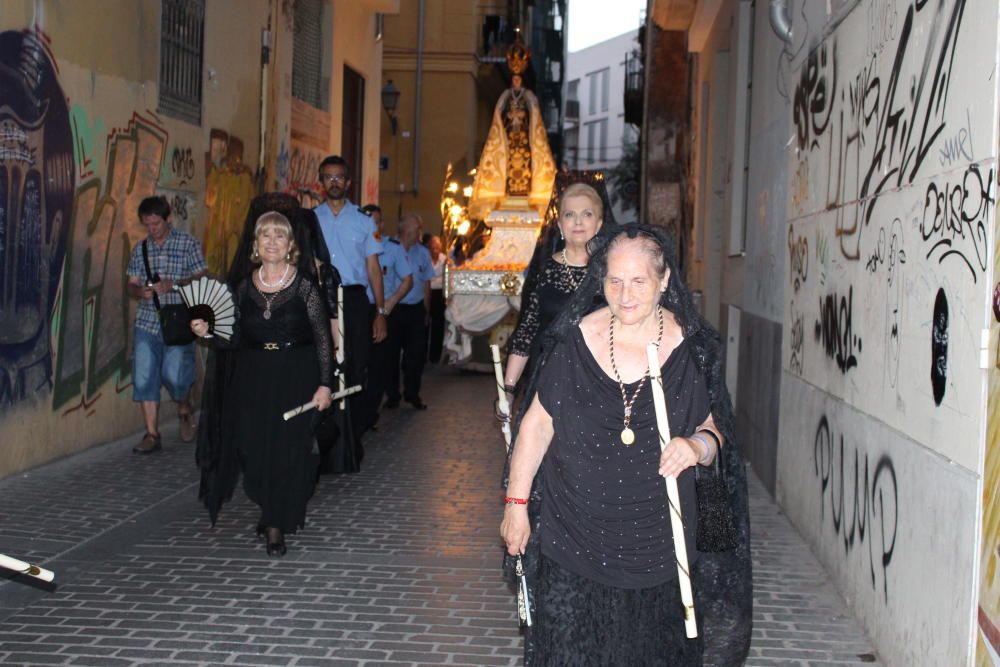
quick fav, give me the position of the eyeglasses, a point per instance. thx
(333, 178)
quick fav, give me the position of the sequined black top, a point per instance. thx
(604, 510)
(539, 307)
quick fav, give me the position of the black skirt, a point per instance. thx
(277, 457)
(580, 622)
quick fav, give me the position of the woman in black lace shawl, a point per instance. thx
(218, 463)
(722, 579)
(558, 264)
(283, 358)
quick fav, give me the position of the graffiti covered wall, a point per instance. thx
(81, 144)
(892, 198)
(36, 199)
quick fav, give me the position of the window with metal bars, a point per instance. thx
(308, 53)
(182, 39)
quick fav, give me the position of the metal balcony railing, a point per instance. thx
(572, 110)
(635, 81)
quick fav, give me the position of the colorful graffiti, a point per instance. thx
(93, 334)
(229, 188)
(303, 174)
(36, 198)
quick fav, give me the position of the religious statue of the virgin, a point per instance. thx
(516, 169)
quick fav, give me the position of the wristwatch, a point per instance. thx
(381, 311)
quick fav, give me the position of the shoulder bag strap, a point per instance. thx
(149, 274)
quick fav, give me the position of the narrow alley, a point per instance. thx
(398, 564)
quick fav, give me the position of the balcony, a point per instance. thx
(572, 111)
(635, 81)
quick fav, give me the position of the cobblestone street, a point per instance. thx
(397, 565)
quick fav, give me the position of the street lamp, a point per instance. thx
(390, 98)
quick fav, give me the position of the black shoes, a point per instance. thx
(417, 403)
(277, 549)
(391, 404)
(276, 543)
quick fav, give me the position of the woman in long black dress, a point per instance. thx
(580, 219)
(283, 359)
(602, 559)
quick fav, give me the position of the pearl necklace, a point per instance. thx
(260, 277)
(627, 434)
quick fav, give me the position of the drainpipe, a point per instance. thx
(645, 128)
(265, 59)
(418, 97)
(781, 20)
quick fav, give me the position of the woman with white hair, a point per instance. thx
(595, 537)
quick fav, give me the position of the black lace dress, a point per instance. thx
(280, 361)
(545, 297)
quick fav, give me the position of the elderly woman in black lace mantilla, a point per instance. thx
(604, 573)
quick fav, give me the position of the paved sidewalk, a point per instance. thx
(398, 564)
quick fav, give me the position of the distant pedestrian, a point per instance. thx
(409, 319)
(174, 258)
(436, 334)
(397, 280)
(349, 234)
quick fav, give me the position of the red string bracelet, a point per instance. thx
(508, 500)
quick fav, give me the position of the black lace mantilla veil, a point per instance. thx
(218, 464)
(549, 242)
(722, 580)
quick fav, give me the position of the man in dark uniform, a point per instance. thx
(409, 319)
(349, 234)
(396, 282)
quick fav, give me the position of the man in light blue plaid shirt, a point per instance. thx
(175, 258)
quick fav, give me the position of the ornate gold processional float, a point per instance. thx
(510, 194)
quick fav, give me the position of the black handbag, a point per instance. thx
(716, 530)
(175, 320)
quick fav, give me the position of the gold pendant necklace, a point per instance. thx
(627, 434)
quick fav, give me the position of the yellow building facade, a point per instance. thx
(449, 80)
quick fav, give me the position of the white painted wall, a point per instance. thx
(608, 54)
(870, 211)
(891, 172)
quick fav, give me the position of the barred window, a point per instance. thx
(182, 39)
(310, 50)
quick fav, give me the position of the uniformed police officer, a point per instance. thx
(409, 320)
(350, 236)
(397, 281)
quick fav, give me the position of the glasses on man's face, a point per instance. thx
(333, 178)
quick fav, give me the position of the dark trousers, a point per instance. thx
(358, 317)
(379, 372)
(408, 327)
(437, 326)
